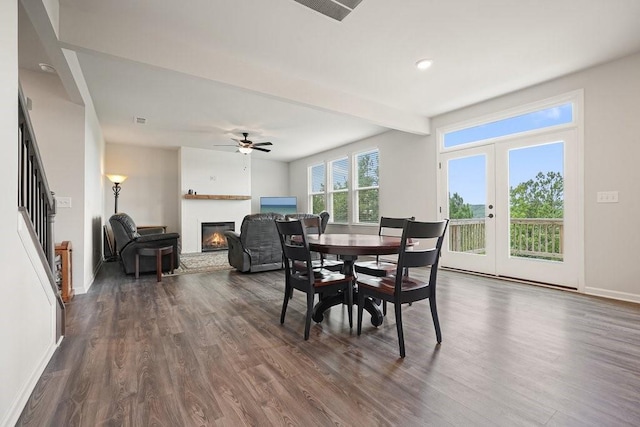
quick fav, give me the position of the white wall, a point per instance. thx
(150, 193)
(215, 173)
(93, 167)
(59, 126)
(268, 178)
(27, 335)
(407, 165)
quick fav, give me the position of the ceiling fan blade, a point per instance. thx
(261, 149)
(262, 143)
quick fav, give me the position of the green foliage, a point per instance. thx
(458, 209)
(318, 203)
(340, 207)
(368, 209)
(542, 197)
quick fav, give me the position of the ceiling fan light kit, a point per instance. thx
(246, 146)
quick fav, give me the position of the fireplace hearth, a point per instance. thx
(213, 235)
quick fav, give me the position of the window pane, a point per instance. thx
(317, 178)
(318, 203)
(340, 207)
(536, 120)
(340, 174)
(367, 164)
(536, 186)
(467, 204)
(368, 206)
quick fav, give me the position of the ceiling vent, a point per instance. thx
(139, 120)
(336, 9)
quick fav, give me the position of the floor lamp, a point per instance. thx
(117, 180)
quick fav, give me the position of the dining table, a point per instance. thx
(348, 247)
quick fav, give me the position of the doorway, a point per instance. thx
(513, 203)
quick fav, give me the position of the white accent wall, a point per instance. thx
(215, 173)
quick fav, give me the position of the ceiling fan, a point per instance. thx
(246, 146)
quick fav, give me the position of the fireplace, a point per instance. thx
(213, 235)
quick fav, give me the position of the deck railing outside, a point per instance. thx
(530, 237)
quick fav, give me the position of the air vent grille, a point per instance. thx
(336, 9)
(139, 120)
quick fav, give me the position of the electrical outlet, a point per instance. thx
(607, 197)
(63, 202)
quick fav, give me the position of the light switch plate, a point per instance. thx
(63, 202)
(607, 197)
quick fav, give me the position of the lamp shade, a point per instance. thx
(116, 179)
(245, 150)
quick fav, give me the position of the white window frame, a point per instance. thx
(357, 188)
(331, 191)
(310, 192)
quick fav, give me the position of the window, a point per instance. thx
(540, 119)
(339, 191)
(330, 188)
(366, 187)
(317, 195)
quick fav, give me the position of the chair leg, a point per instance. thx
(384, 308)
(287, 295)
(397, 308)
(350, 304)
(436, 322)
(307, 322)
(360, 310)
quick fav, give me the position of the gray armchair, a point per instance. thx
(257, 247)
(128, 240)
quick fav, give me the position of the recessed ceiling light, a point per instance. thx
(423, 64)
(47, 68)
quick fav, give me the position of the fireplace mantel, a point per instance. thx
(215, 197)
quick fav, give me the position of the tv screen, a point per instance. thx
(281, 205)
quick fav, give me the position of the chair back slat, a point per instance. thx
(391, 226)
(411, 256)
(420, 258)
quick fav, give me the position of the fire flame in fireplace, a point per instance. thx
(216, 239)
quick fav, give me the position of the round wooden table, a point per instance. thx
(349, 247)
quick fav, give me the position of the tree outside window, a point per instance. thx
(317, 188)
(339, 193)
(367, 186)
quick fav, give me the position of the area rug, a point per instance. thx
(202, 262)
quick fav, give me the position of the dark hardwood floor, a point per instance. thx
(208, 349)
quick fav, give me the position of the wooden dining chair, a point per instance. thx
(381, 267)
(313, 226)
(399, 288)
(295, 250)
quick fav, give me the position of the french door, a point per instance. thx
(513, 207)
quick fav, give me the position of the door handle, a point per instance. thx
(490, 215)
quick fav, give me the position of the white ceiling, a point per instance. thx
(205, 70)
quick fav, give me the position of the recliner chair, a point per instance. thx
(129, 239)
(257, 247)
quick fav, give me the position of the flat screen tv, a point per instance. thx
(282, 205)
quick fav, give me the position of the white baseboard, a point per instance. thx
(623, 296)
(23, 396)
